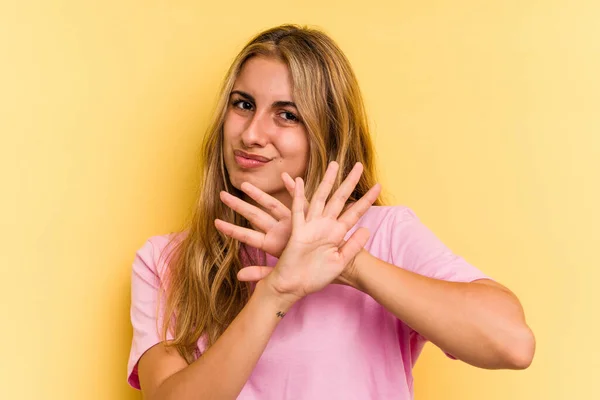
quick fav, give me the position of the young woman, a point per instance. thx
(293, 280)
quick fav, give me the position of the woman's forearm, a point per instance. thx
(222, 371)
(481, 324)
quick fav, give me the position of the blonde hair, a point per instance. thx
(202, 292)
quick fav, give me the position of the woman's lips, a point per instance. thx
(248, 162)
(244, 160)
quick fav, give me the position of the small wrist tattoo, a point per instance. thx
(280, 314)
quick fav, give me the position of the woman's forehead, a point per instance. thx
(266, 79)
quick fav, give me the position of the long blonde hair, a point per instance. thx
(202, 293)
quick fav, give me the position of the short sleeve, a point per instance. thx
(416, 248)
(145, 282)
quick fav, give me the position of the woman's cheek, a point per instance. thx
(293, 144)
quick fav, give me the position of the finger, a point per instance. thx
(289, 185)
(355, 244)
(340, 197)
(253, 214)
(244, 235)
(351, 216)
(273, 206)
(253, 273)
(317, 203)
(298, 204)
(288, 182)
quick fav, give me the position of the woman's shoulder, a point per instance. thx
(154, 252)
(161, 241)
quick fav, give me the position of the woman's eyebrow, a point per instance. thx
(244, 95)
(280, 103)
(284, 104)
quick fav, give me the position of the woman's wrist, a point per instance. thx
(278, 301)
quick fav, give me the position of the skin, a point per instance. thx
(262, 119)
(311, 260)
(488, 312)
(308, 240)
(493, 332)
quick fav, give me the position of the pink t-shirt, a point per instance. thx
(338, 343)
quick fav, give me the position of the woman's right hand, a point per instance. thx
(313, 257)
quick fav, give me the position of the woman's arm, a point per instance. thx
(222, 371)
(312, 259)
(481, 323)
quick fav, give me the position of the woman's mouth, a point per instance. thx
(247, 160)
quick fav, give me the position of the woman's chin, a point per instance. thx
(238, 179)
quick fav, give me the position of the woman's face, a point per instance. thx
(263, 133)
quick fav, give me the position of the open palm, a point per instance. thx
(313, 257)
(311, 236)
(274, 228)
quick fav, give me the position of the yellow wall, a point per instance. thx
(487, 124)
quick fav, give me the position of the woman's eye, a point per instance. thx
(288, 116)
(242, 104)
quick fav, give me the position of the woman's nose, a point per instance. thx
(257, 130)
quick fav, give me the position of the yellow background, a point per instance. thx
(486, 121)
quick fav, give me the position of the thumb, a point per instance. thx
(355, 243)
(253, 273)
